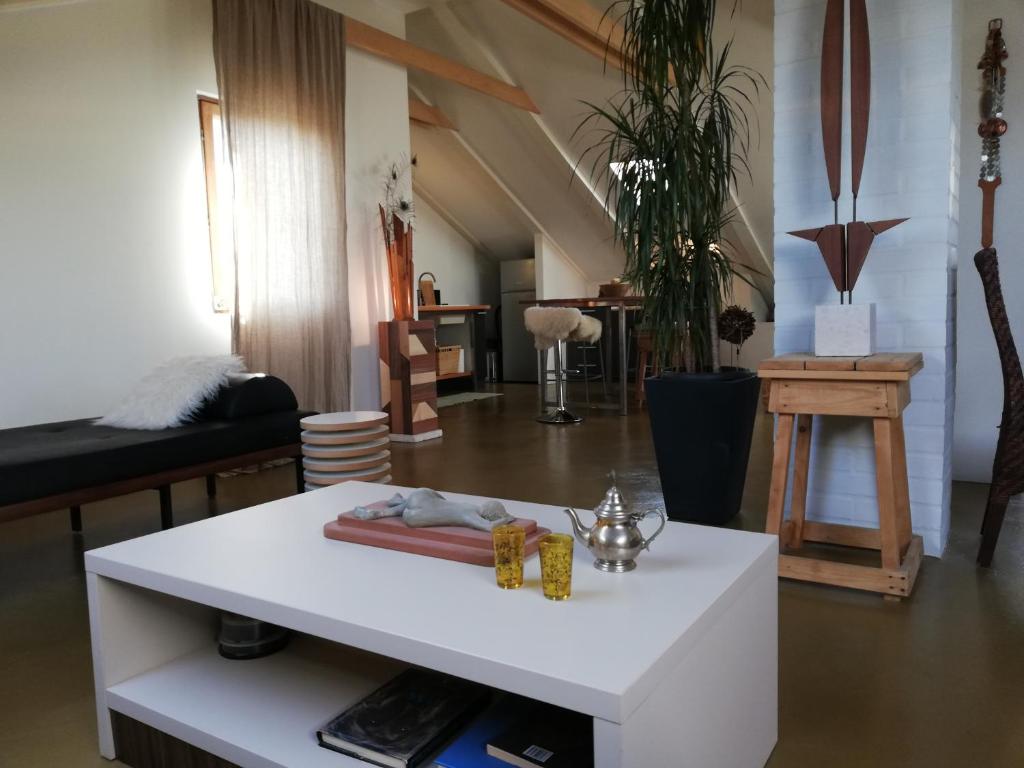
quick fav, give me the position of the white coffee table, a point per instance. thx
(676, 661)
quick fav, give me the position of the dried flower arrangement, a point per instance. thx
(736, 325)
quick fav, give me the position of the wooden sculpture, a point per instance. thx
(992, 125)
(1008, 466)
(844, 247)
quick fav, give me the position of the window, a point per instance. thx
(218, 204)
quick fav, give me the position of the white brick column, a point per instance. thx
(911, 169)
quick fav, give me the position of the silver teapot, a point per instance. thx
(615, 538)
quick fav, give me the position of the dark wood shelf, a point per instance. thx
(460, 375)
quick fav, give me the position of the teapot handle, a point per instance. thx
(643, 515)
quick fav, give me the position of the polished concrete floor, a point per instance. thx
(937, 680)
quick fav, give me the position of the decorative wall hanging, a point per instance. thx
(992, 125)
(844, 247)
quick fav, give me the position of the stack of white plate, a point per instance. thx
(351, 445)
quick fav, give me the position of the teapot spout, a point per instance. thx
(581, 531)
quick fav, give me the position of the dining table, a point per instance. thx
(620, 304)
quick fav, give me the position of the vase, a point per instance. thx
(398, 240)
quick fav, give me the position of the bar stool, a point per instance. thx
(645, 349)
(646, 360)
(582, 370)
(551, 328)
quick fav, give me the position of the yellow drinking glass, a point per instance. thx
(509, 543)
(556, 565)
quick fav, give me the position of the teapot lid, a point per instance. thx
(613, 504)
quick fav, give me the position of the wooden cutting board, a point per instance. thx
(333, 478)
(342, 422)
(346, 465)
(348, 451)
(351, 437)
(448, 542)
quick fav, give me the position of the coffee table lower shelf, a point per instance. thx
(260, 712)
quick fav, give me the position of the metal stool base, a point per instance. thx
(559, 416)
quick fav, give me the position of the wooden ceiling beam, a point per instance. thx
(423, 113)
(366, 38)
(578, 22)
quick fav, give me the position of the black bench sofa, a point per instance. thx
(63, 465)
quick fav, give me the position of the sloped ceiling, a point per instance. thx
(451, 180)
(532, 160)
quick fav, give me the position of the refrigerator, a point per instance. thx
(518, 284)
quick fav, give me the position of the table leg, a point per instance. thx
(623, 362)
(802, 459)
(780, 473)
(607, 336)
(887, 522)
(478, 341)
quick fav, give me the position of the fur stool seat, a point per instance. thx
(550, 325)
(588, 331)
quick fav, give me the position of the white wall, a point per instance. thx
(911, 170)
(376, 134)
(104, 254)
(464, 276)
(557, 277)
(104, 257)
(979, 383)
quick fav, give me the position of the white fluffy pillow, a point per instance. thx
(171, 394)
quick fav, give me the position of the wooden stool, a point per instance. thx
(876, 387)
(645, 359)
(645, 348)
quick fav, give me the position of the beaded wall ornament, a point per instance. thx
(992, 125)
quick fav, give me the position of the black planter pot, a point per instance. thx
(702, 425)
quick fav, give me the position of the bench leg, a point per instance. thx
(76, 519)
(300, 481)
(211, 486)
(166, 512)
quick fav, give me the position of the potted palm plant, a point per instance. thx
(668, 148)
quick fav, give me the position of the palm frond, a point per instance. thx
(668, 149)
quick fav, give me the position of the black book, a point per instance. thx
(401, 723)
(549, 738)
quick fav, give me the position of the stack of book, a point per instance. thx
(420, 718)
(523, 733)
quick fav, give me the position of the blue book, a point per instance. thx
(469, 750)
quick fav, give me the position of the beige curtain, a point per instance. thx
(281, 75)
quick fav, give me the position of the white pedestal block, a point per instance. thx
(844, 330)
